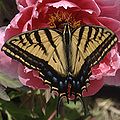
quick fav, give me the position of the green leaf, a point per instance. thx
(7, 81)
(74, 109)
(8, 115)
(14, 110)
(3, 94)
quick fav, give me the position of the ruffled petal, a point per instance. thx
(94, 87)
(89, 5)
(6, 63)
(28, 78)
(62, 3)
(113, 80)
(26, 3)
(111, 23)
(109, 8)
(17, 24)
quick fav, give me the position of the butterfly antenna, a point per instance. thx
(83, 103)
(58, 104)
(84, 106)
(75, 98)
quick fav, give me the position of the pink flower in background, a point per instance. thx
(39, 13)
(6, 63)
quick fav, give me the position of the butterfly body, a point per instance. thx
(62, 58)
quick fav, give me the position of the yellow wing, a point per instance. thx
(37, 48)
(89, 45)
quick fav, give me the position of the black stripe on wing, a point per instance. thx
(49, 36)
(80, 35)
(38, 39)
(88, 38)
(98, 54)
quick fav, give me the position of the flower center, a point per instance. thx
(57, 20)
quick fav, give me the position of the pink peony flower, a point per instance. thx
(39, 13)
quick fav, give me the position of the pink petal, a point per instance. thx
(17, 24)
(109, 8)
(62, 3)
(28, 79)
(26, 3)
(94, 87)
(113, 80)
(106, 2)
(100, 71)
(111, 23)
(38, 18)
(7, 65)
(15, 20)
(87, 5)
(2, 34)
(31, 2)
(49, 1)
(115, 63)
(22, 2)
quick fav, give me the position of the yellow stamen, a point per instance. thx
(57, 20)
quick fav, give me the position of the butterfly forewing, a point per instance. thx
(31, 48)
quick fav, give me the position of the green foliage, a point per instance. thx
(29, 104)
(6, 81)
(3, 94)
(22, 103)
